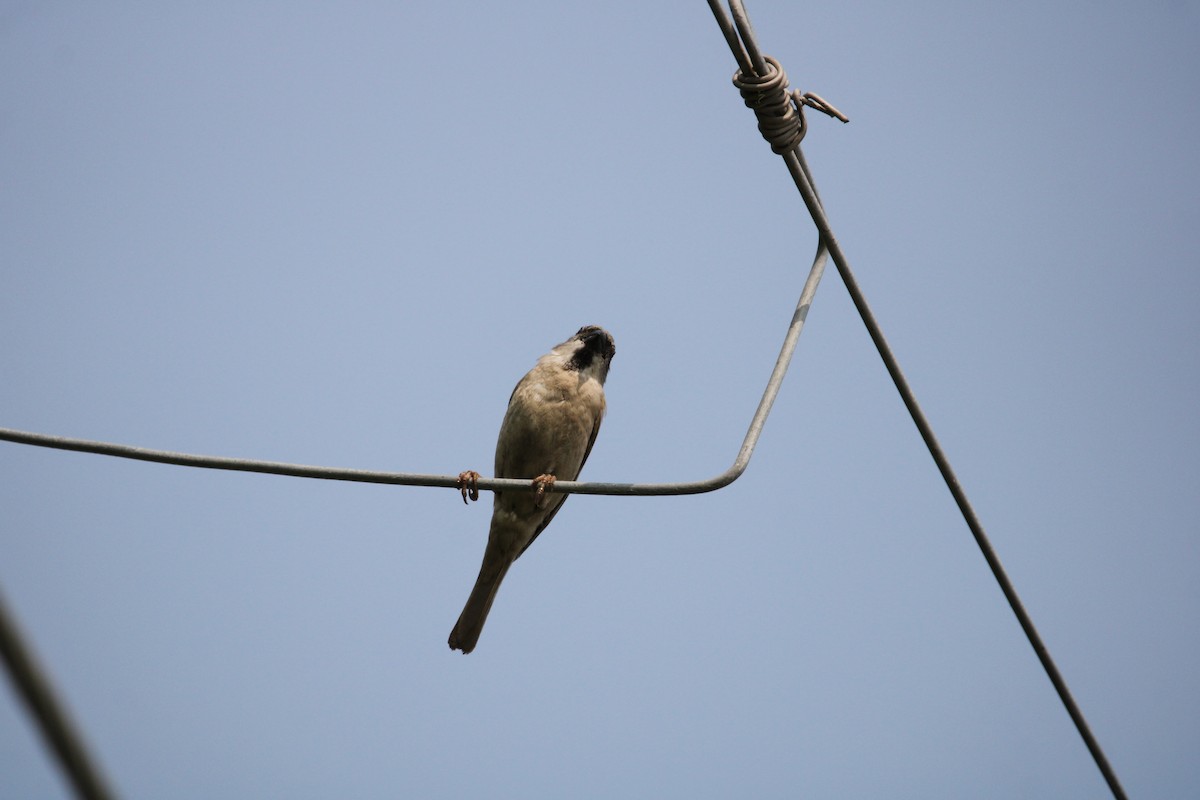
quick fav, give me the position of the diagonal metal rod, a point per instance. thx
(956, 489)
(59, 735)
(746, 49)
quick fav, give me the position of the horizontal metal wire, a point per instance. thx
(452, 481)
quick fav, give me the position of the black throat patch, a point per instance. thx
(597, 344)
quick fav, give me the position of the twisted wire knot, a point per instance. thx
(780, 120)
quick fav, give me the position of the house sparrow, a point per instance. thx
(548, 431)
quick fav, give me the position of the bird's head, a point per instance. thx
(589, 351)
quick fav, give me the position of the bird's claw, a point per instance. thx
(468, 484)
(540, 484)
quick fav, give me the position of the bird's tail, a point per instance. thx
(470, 622)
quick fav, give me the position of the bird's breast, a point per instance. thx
(547, 428)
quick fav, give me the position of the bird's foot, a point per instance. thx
(540, 484)
(468, 484)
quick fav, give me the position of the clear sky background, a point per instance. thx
(338, 234)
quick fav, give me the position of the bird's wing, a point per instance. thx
(591, 441)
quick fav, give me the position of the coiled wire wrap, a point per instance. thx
(780, 117)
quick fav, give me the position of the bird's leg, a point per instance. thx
(468, 484)
(540, 484)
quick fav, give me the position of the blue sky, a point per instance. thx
(339, 235)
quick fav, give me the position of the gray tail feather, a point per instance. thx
(466, 631)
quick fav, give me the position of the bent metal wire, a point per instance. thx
(414, 479)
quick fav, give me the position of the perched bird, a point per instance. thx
(548, 431)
